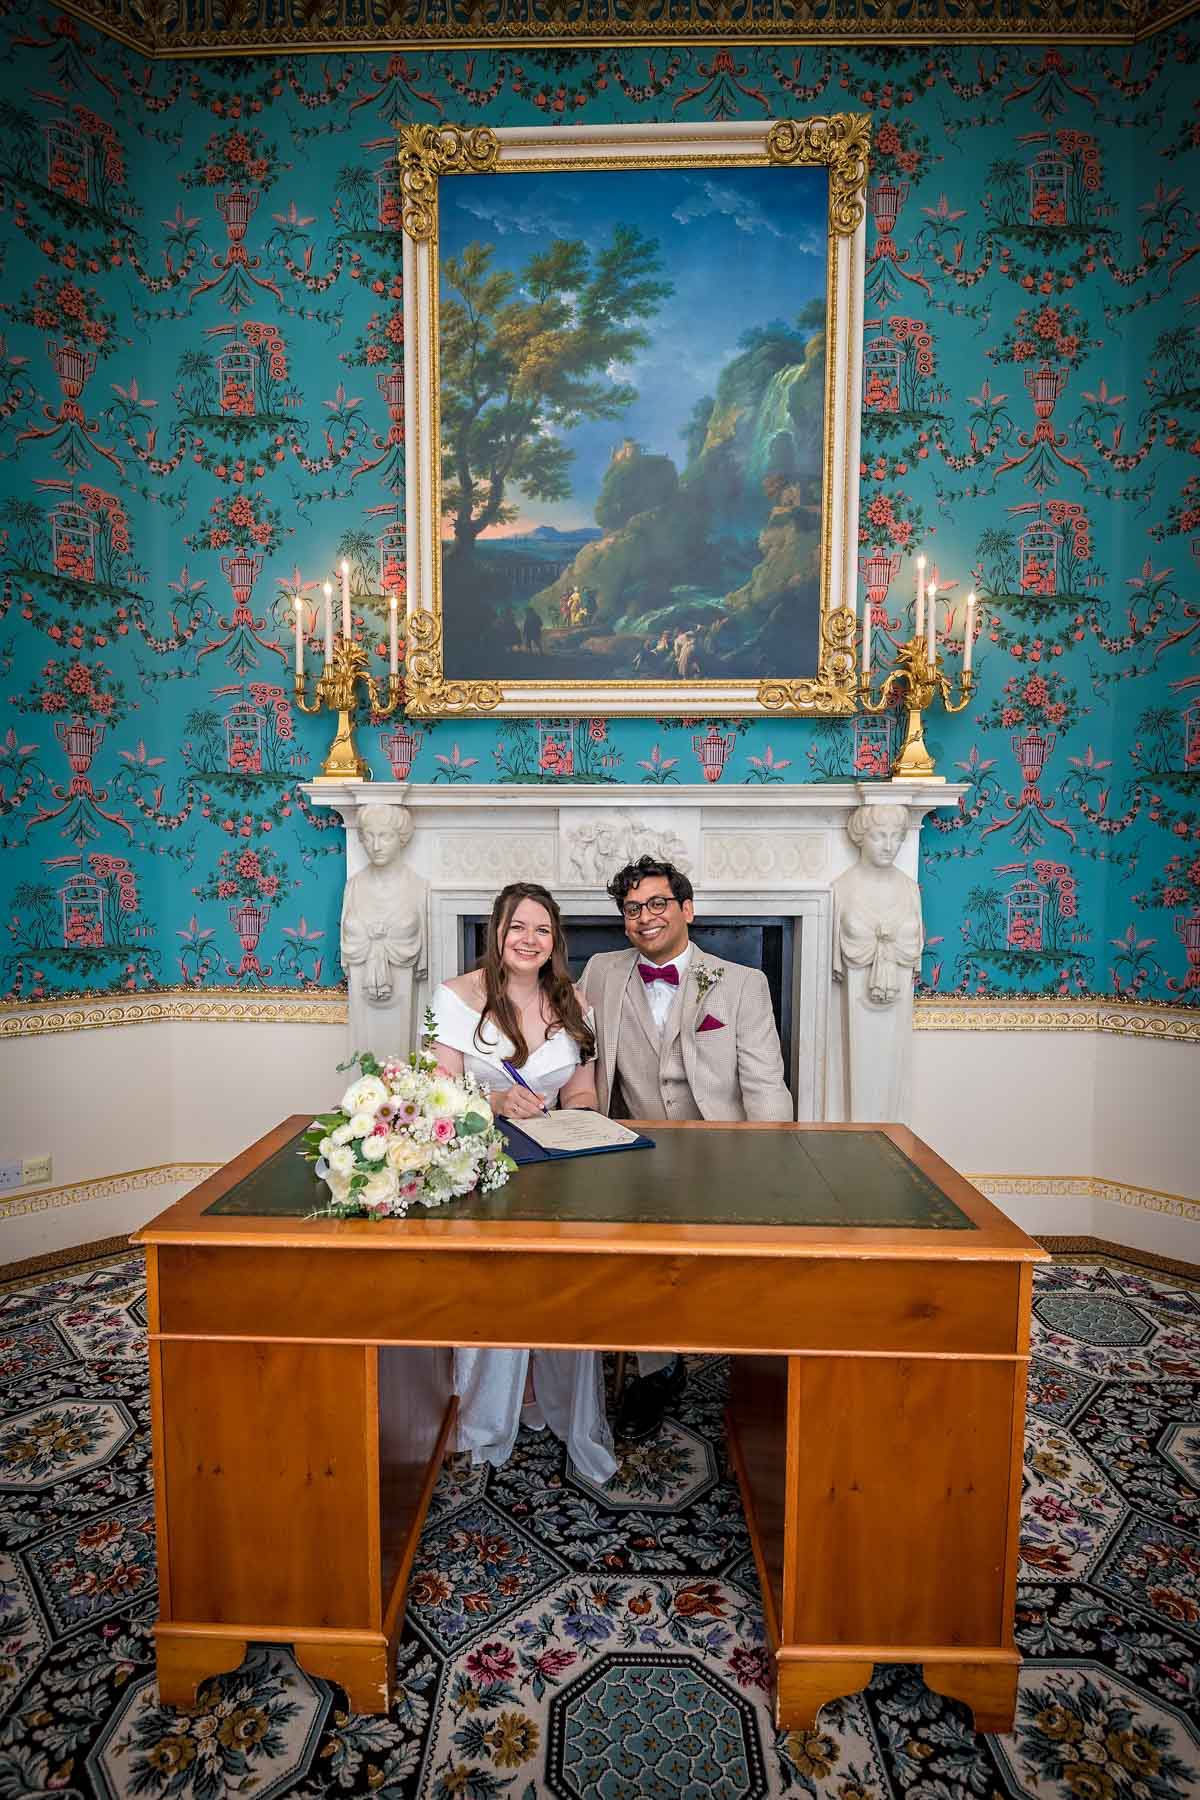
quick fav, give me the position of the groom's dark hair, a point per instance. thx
(635, 873)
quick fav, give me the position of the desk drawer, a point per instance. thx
(592, 1300)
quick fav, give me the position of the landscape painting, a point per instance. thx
(632, 421)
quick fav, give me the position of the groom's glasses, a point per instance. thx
(659, 904)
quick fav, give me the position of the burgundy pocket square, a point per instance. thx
(708, 1023)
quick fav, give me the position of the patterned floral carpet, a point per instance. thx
(563, 1641)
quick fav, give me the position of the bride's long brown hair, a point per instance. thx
(554, 977)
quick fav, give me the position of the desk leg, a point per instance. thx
(988, 1688)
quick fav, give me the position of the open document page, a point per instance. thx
(577, 1129)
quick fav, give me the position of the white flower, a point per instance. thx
(382, 1184)
(361, 1123)
(342, 1161)
(341, 1134)
(403, 1154)
(325, 1146)
(364, 1095)
(448, 1098)
(459, 1166)
(375, 1147)
(339, 1186)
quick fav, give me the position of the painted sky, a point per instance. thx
(742, 246)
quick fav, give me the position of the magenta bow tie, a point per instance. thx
(669, 973)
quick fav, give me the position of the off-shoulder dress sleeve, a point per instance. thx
(457, 1022)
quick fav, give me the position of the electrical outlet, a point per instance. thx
(36, 1169)
(10, 1177)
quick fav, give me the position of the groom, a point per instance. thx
(678, 1036)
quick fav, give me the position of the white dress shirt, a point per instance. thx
(660, 994)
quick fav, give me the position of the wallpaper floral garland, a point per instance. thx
(200, 343)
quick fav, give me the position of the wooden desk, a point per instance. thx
(876, 1305)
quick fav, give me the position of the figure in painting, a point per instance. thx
(531, 631)
(877, 943)
(383, 935)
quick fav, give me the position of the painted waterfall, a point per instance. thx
(632, 401)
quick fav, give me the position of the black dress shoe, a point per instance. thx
(646, 1400)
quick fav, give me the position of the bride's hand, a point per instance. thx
(516, 1103)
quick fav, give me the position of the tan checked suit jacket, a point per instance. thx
(735, 1073)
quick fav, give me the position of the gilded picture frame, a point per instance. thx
(579, 542)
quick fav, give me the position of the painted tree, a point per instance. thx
(527, 356)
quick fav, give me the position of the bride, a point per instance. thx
(522, 1008)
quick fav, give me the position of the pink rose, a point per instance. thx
(443, 1130)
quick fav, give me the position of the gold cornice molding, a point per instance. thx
(327, 1006)
(169, 29)
(267, 1006)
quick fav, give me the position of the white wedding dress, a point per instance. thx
(568, 1385)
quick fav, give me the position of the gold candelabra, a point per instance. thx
(336, 685)
(923, 682)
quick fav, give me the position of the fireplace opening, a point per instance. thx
(768, 944)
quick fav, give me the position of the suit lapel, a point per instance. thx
(674, 1022)
(690, 1012)
(612, 1002)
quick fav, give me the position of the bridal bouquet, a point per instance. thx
(406, 1131)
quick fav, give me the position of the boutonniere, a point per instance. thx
(706, 979)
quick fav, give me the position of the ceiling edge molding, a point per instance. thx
(176, 29)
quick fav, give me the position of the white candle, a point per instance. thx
(969, 634)
(866, 647)
(931, 623)
(394, 663)
(328, 622)
(920, 596)
(299, 637)
(345, 599)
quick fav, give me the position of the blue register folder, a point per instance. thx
(572, 1132)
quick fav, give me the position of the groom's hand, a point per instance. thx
(516, 1103)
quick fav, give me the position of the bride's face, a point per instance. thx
(528, 939)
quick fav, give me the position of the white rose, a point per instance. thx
(342, 1161)
(341, 1134)
(403, 1154)
(338, 1185)
(375, 1147)
(383, 1184)
(361, 1123)
(364, 1095)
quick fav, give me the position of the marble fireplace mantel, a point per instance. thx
(751, 852)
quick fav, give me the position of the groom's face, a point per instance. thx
(659, 936)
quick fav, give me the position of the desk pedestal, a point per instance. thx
(291, 1485)
(882, 1496)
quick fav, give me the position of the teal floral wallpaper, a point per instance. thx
(200, 408)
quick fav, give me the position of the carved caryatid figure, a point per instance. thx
(383, 935)
(877, 944)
